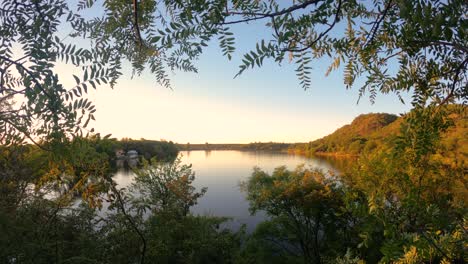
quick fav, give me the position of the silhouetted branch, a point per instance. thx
(443, 43)
(376, 25)
(321, 35)
(129, 219)
(456, 79)
(135, 21)
(29, 73)
(265, 15)
(26, 134)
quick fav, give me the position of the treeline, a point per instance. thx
(147, 149)
(208, 146)
(370, 132)
(254, 146)
(267, 146)
(163, 150)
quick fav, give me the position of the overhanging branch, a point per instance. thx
(258, 15)
(135, 21)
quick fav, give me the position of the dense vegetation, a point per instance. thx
(149, 221)
(310, 213)
(404, 202)
(314, 217)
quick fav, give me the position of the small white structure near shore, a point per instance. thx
(132, 154)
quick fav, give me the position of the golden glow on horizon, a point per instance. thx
(139, 108)
(134, 110)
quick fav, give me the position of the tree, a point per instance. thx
(392, 49)
(39, 199)
(31, 49)
(155, 213)
(166, 186)
(419, 199)
(305, 213)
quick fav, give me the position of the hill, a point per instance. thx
(368, 132)
(351, 139)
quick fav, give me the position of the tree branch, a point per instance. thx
(129, 219)
(376, 25)
(26, 134)
(321, 35)
(271, 15)
(31, 74)
(442, 43)
(135, 21)
(457, 73)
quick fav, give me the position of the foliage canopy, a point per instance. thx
(394, 46)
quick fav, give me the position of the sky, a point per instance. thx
(263, 104)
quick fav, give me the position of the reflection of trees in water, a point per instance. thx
(343, 164)
(264, 153)
(207, 153)
(120, 163)
(339, 163)
(126, 164)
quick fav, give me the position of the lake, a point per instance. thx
(222, 171)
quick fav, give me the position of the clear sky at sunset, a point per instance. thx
(263, 104)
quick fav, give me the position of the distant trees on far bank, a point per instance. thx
(162, 150)
(256, 146)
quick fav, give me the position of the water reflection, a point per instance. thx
(341, 164)
(222, 172)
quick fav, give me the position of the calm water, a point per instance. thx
(222, 171)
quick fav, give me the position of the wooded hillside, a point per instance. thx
(368, 132)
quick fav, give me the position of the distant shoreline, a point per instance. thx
(326, 154)
(273, 147)
(268, 146)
